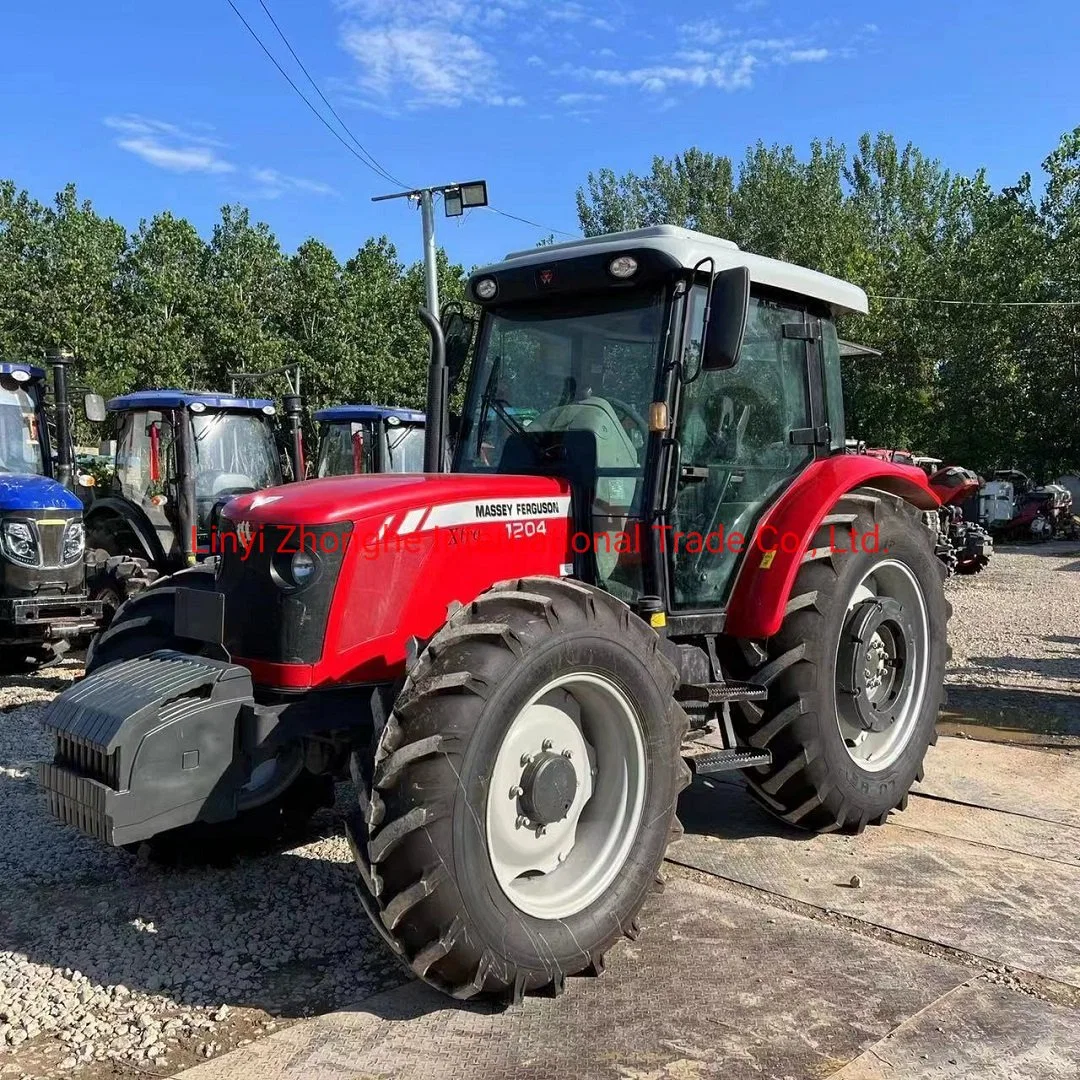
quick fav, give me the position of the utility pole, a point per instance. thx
(457, 198)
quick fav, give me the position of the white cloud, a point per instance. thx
(168, 146)
(534, 61)
(424, 66)
(808, 56)
(273, 184)
(725, 71)
(576, 99)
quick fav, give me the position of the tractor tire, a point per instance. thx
(521, 796)
(23, 659)
(144, 621)
(112, 579)
(855, 674)
(287, 794)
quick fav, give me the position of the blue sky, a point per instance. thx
(153, 105)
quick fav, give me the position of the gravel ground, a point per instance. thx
(1015, 634)
(111, 967)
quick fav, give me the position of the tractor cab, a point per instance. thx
(43, 603)
(180, 455)
(678, 383)
(356, 439)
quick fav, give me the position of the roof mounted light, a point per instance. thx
(486, 288)
(269, 410)
(393, 421)
(622, 267)
(197, 407)
(20, 375)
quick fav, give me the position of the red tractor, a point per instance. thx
(510, 659)
(967, 545)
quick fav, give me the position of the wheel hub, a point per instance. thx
(566, 795)
(872, 664)
(548, 786)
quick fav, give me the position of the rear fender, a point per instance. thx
(765, 579)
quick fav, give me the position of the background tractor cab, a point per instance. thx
(180, 455)
(43, 601)
(357, 439)
(509, 659)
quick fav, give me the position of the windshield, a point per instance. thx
(539, 364)
(405, 446)
(234, 452)
(344, 449)
(20, 440)
(565, 390)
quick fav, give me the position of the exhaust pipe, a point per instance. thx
(435, 430)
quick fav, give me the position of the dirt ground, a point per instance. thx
(114, 969)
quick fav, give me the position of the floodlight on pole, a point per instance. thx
(457, 198)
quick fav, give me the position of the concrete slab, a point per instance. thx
(997, 904)
(1039, 783)
(977, 1032)
(1029, 836)
(716, 986)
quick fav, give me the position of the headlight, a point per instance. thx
(486, 288)
(623, 266)
(20, 543)
(74, 541)
(302, 568)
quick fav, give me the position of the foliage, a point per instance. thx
(980, 384)
(164, 307)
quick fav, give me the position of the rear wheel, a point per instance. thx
(854, 674)
(522, 793)
(112, 579)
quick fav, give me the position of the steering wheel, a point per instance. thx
(625, 409)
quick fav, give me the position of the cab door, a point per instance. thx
(744, 433)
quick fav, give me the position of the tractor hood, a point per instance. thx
(35, 493)
(350, 498)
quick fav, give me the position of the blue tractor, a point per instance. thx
(180, 456)
(369, 439)
(44, 603)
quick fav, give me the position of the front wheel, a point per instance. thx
(523, 791)
(855, 673)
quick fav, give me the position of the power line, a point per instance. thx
(534, 224)
(979, 303)
(334, 112)
(364, 156)
(375, 168)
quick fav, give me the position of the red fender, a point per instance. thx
(767, 574)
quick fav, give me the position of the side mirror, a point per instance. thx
(458, 329)
(725, 319)
(94, 407)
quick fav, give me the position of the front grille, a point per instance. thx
(265, 618)
(83, 757)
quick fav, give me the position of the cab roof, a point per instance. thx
(33, 372)
(181, 399)
(359, 413)
(688, 248)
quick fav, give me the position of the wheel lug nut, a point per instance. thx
(546, 744)
(525, 759)
(568, 754)
(540, 830)
(521, 822)
(517, 792)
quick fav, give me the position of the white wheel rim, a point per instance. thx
(875, 751)
(561, 870)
